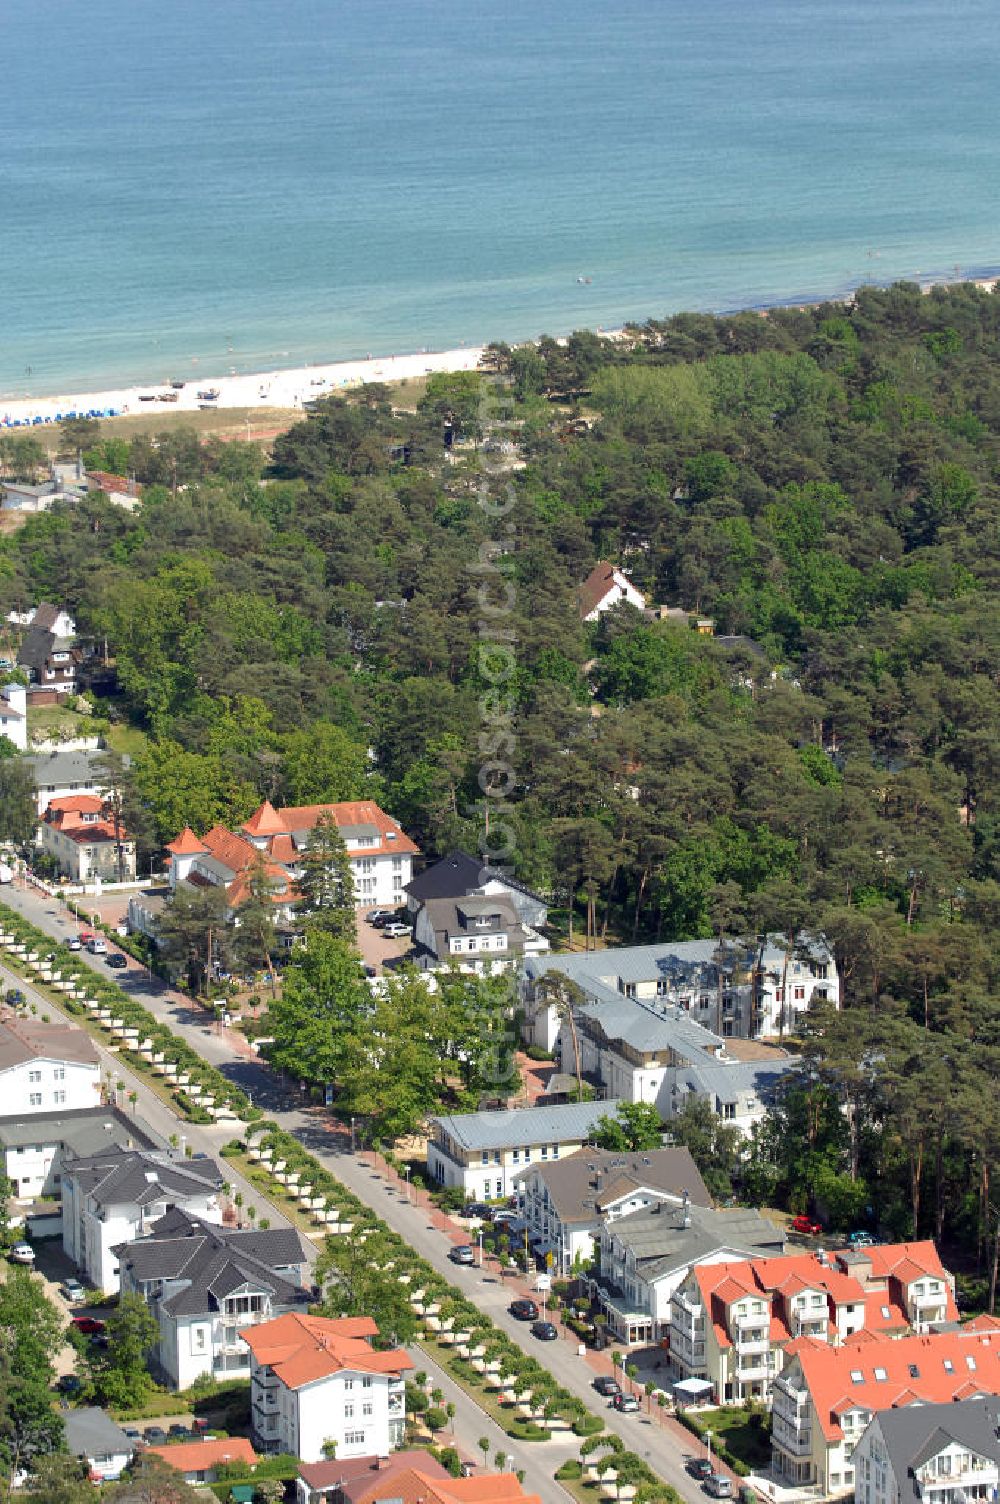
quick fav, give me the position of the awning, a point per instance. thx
(692, 1387)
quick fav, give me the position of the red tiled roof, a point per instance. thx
(827, 1372)
(276, 824)
(232, 851)
(282, 889)
(114, 484)
(199, 1456)
(301, 1349)
(80, 804)
(412, 1476)
(186, 844)
(264, 821)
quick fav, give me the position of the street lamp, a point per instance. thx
(406, 1172)
(352, 1135)
(480, 1248)
(708, 1444)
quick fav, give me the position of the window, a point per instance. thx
(348, 1412)
(486, 1156)
(857, 1377)
(800, 993)
(886, 1313)
(35, 1099)
(545, 1151)
(34, 1076)
(354, 1438)
(880, 1375)
(728, 1111)
(59, 1074)
(496, 1156)
(949, 1366)
(348, 1383)
(914, 1371)
(59, 1098)
(368, 1409)
(517, 1156)
(366, 1382)
(970, 1362)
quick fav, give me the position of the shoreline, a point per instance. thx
(295, 386)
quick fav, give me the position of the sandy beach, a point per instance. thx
(292, 388)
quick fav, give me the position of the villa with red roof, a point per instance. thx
(315, 1380)
(80, 833)
(381, 854)
(604, 587)
(411, 1477)
(826, 1396)
(734, 1324)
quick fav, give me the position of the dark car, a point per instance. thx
(132, 1433)
(181, 1433)
(524, 1310)
(15, 997)
(700, 1467)
(117, 962)
(155, 1434)
(69, 1384)
(477, 1209)
(544, 1331)
(627, 1403)
(607, 1386)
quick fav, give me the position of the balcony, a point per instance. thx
(758, 1368)
(794, 1443)
(752, 1345)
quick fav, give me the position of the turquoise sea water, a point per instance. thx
(257, 183)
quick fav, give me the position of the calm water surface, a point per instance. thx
(203, 184)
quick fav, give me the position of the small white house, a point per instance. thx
(114, 1198)
(484, 1152)
(14, 715)
(315, 1380)
(607, 586)
(46, 1068)
(92, 1435)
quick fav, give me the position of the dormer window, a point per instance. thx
(857, 1377)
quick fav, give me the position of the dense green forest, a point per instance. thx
(823, 482)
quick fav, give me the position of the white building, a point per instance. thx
(315, 1380)
(473, 916)
(33, 1146)
(380, 851)
(484, 1152)
(566, 1204)
(748, 989)
(607, 586)
(646, 1256)
(14, 715)
(205, 1285)
(81, 834)
(46, 1068)
(92, 1435)
(60, 774)
(117, 1197)
(930, 1454)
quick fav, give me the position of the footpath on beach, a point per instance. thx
(292, 388)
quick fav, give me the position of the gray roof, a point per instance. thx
(559, 1123)
(61, 769)
(23, 1039)
(664, 1240)
(448, 918)
(92, 1433)
(86, 1132)
(913, 1434)
(206, 1263)
(580, 1186)
(132, 1177)
(457, 874)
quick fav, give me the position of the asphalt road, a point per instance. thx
(642, 1434)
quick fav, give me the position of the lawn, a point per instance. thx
(128, 740)
(742, 1432)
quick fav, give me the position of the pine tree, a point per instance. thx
(327, 882)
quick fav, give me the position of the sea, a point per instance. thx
(203, 186)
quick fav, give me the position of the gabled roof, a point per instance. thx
(559, 1123)
(46, 615)
(303, 1349)
(459, 874)
(131, 1176)
(600, 580)
(186, 844)
(572, 1191)
(210, 1452)
(915, 1368)
(411, 1476)
(230, 851)
(663, 1240)
(90, 1432)
(22, 1040)
(916, 1433)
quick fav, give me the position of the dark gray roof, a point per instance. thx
(46, 615)
(61, 769)
(457, 874)
(559, 1123)
(134, 1177)
(36, 647)
(92, 1433)
(913, 1434)
(664, 1240)
(206, 1263)
(87, 1132)
(580, 1185)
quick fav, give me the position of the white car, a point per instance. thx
(22, 1253)
(73, 944)
(97, 947)
(396, 931)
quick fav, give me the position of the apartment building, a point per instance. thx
(205, 1284)
(46, 1068)
(484, 1152)
(733, 1324)
(566, 1203)
(930, 1454)
(316, 1381)
(825, 1397)
(34, 1145)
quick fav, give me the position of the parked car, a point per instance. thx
(69, 1384)
(806, 1225)
(478, 1209)
(117, 962)
(181, 1433)
(396, 931)
(200, 1425)
(861, 1239)
(504, 1217)
(97, 946)
(468, 1468)
(370, 971)
(132, 1433)
(462, 1254)
(22, 1253)
(86, 936)
(626, 1403)
(544, 1331)
(719, 1486)
(154, 1435)
(75, 944)
(608, 1387)
(700, 1467)
(89, 1325)
(524, 1310)
(374, 915)
(72, 1290)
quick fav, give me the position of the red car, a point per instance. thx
(85, 936)
(805, 1224)
(89, 1325)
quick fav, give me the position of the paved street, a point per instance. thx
(662, 1442)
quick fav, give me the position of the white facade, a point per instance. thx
(47, 1085)
(91, 1229)
(363, 1414)
(484, 1153)
(618, 590)
(191, 1346)
(14, 715)
(950, 1470)
(379, 879)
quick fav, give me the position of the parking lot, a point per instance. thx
(376, 948)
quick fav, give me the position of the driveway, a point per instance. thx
(376, 948)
